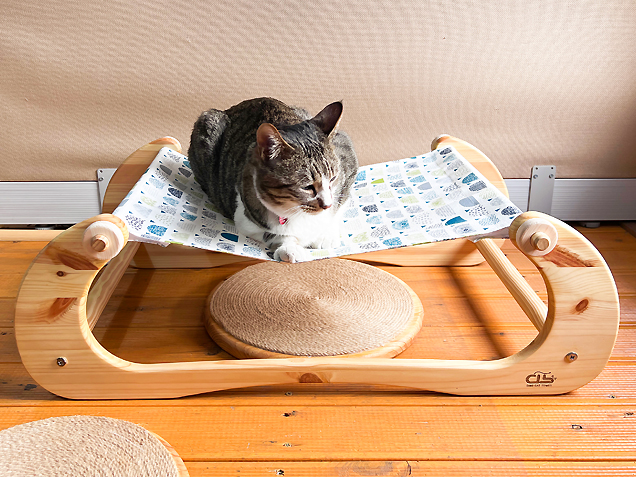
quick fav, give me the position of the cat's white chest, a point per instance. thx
(312, 230)
(309, 230)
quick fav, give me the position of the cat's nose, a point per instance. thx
(326, 206)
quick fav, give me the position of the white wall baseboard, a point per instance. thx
(30, 203)
(583, 199)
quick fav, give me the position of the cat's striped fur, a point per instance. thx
(281, 174)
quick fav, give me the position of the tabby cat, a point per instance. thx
(280, 173)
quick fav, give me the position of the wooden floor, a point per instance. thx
(316, 430)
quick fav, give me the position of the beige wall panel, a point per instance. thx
(83, 84)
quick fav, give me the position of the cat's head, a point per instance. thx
(297, 170)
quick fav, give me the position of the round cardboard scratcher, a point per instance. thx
(330, 307)
(86, 446)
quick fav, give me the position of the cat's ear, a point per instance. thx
(270, 142)
(327, 119)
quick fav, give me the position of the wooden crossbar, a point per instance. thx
(518, 287)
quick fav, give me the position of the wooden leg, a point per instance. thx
(105, 284)
(523, 293)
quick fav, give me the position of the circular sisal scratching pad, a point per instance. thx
(86, 446)
(330, 307)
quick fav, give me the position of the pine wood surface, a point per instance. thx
(353, 430)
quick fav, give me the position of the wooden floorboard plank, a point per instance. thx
(318, 433)
(16, 248)
(7, 312)
(609, 237)
(628, 309)
(10, 284)
(410, 468)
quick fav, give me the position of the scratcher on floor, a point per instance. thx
(86, 446)
(57, 308)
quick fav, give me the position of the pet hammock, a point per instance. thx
(423, 199)
(57, 307)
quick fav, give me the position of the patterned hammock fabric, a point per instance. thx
(423, 199)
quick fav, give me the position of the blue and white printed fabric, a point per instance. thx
(428, 198)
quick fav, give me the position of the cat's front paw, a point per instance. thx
(292, 253)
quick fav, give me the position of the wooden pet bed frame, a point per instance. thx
(60, 301)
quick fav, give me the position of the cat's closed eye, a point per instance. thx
(309, 188)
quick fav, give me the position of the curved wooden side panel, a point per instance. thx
(583, 304)
(477, 158)
(59, 350)
(127, 175)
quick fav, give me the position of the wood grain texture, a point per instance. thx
(474, 315)
(349, 432)
(525, 296)
(582, 317)
(27, 235)
(103, 287)
(615, 385)
(410, 468)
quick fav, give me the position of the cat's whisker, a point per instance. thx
(292, 210)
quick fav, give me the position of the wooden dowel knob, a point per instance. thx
(100, 243)
(534, 236)
(540, 241)
(103, 240)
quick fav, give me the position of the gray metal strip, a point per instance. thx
(594, 199)
(31, 203)
(27, 203)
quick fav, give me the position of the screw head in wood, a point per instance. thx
(571, 357)
(61, 361)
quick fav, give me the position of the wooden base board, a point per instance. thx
(51, 323)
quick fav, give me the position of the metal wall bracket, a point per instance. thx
(103, 178)
(541, 188)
